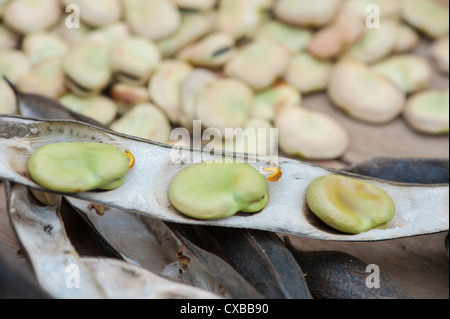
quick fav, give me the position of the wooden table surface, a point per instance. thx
(420, 265)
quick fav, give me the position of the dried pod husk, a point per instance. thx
(212, 51)
(193, 26)
(100, 108)
(144, 120)
(126, 96)
(348, 205)
(440, 53)
(429, 17)
(338, 275)
(165, 84)
(295, 39)
(197, 5)
(310, 134)
(241, 19)
(259, 64)
(24, 16)
(45, 78)
(407, 39)
(226, 103)
(196, 81)
(110, 35)
(307, 73)
(427, 112)
(304, 13)
(13, 64)
(410, 72)
(8, 103)
(375, 44)
(42, 45)
(364, 94)
(87, 69)
(269, 102)
(8, 39)
(155, 19)
(217, 189)
(98, 13)
(134, 60)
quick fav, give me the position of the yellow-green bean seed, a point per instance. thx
(215, 190)
(349, 205)
(78, 167)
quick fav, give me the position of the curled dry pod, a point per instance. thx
(193, 26)
(8, 39)
(348, 205)
(99, 108)
(24, 16)
(195, 82)
(295, 39)
(310, 134)
(212, 51)
(134, 60)
(304, 13)
(429, 17)
(200, 5)
(440, 53)
(98, 13)
(364, 94)
(375, 44)
(13, 64)
(269, 102)
(428, 112)
(241, 19)
(126, 96)
(144, 120)
(226, 103)
(307, 73)
(218, 189)
(86, 68)
(407, 39)
(8, 103)
(45, 78)
(410, 72)
(41, 45)
(258, 64)
(165, 84)
(337, 275)
(155, 19)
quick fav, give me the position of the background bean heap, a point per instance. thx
(144, 67)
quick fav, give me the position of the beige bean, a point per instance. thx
(8, 103)
(98, 13)
(307, 73)
(100, 108)
(200, 5)
(364, 94)
(310, 134)
(134, 60)
(13, 64)
(144, 120)
(440, 54)
(127, 96)
(8, 39)
(295, 39)
(42, 45)
(155, 19)
(165, 85)
(410, 72)
(111, 35)
(428, 112)
(407, 39)
(259, 64)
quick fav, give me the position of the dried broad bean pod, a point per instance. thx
(100, 108)
(310, 134)
(410, 72)
(429, 17)
(24, 16)
(428, 112)
(348, 205)
(364, 94)
(259, 64)
(165, 84)
(155, 19)
(307, 73)
(144, 120)
(78, 167)
(134, 60)
(217, 189)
